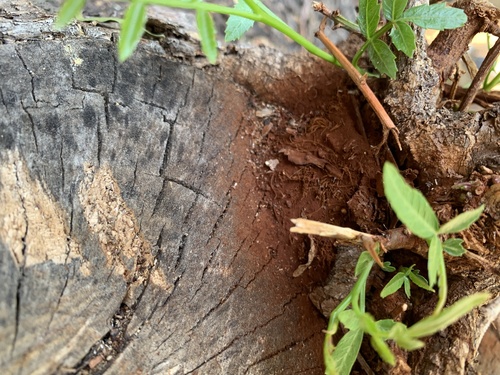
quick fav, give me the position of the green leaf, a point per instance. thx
(462, 221)
(206, 29)
(69, 10)
(368, 17)
(420, 281)
(388, 268)
(133, 27)
(393, 285)
(382, 58)
(393, 9)
(449, 315)
(403, 38)
(237, 26)
(409, 204)
(346, 351)
(385, 325)
(433, 262)
(349, 319)
(453, 246)
(437, 16)
(407, 287)
(383, 350)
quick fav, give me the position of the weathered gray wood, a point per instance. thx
(128, 197)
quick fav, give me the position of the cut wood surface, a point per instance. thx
(133, 236)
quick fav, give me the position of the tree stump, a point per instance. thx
(134, 235)
(145, 206)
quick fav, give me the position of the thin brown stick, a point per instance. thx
(335, 16)
(480, 76)
(360, 82)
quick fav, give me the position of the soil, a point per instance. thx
(315, 159)
(320, 165)
(317, 166)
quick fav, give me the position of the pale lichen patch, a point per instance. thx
(32, 224)
(116, 227)
(158, 278)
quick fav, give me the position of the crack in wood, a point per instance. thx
(29, 72)
(280, 351)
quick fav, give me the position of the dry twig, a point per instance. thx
(480, 76)
(360, 82)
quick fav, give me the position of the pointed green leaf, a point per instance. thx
(206, 29)
(385, 325)
(346, 351)
(69, 10)
(449, 315)
(462, 221)
(237, 26)
(388, 268)
(407, 287)
(420, 281)
(393, 285)
(437, 16)
(435, 257)
(409, 204)
(133, 27)
(393, 9)
(368, 17)
(403, 38)
(349, 319)
(407, 270)
(382, 58)
(453, 246)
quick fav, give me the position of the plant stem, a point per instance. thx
(365, 45)
(481, 74)
(255, 8)
(262, 17)
(360, 82)
(336, 17)
(443, 286)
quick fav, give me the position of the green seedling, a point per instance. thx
(415, 212)
(246, 12)
(403, 277)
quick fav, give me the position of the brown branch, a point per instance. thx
(336, 17)
(360, 82)
(482, 98)
(450, 45)
(392, 239)
(480, 76)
